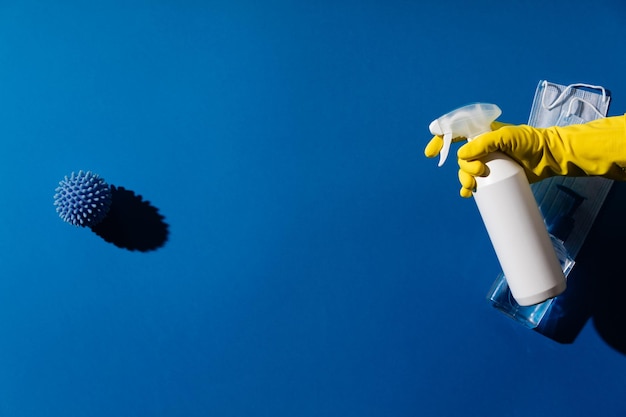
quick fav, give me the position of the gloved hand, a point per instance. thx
(596, 148)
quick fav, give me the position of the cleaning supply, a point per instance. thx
(508, 209)
(560, 105)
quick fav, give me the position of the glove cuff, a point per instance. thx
(595, 148)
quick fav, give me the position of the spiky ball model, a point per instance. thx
(83, 199)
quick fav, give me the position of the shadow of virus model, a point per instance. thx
(132, 222)
(83, 199)
(117, 215)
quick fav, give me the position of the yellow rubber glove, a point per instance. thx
(597, 148)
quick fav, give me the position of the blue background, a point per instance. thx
(317, 264)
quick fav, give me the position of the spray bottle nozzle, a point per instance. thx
(467, 121)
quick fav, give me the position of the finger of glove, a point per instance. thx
(475, 168)
(436, 144)
(465, 193)
(482, 146)
(434, 147)
(467, 181)
(468, 184)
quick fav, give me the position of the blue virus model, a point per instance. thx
(83, 200)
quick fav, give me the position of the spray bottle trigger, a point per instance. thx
(447, 142)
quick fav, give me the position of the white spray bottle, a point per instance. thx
(508, 209)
